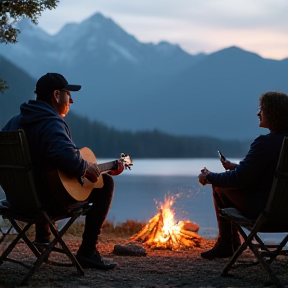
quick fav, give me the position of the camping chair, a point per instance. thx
(274, 219)
(22, 203)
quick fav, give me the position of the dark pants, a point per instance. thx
(101, 200)
(236, 198)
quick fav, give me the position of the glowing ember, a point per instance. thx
(162, 232)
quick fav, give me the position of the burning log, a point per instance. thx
(162, 232)
(147, 229)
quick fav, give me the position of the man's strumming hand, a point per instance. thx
(92, 172)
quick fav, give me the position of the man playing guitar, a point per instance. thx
(52, 148)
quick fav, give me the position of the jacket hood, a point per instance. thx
(36, 111)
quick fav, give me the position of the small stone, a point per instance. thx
(129, 250)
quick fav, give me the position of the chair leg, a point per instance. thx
(4, 234)
(21, 235)
(272, 256)
(232, 260)
(9, 249)
(44, 255)
(59, 235)
(264, 263)
(279, 249)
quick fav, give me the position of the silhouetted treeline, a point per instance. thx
(107, 142)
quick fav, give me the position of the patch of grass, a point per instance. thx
(127, 228)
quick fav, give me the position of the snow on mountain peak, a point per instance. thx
(122, 51)
(86, 43)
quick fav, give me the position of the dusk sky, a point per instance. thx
(259, 26)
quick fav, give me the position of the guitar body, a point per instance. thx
(67, 189)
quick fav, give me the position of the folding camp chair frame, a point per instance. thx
(21, 163)
(274, 219)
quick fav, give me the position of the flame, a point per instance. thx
(162, 231)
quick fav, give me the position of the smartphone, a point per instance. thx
(221, 156)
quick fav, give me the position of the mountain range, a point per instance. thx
(129, 85)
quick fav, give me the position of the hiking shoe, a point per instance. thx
(217, 252)
(221, 249)
(95, 260)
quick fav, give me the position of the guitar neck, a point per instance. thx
(106, 167)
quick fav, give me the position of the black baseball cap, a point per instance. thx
(54, 81)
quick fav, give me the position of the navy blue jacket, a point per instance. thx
(50, 142)
(254, 174)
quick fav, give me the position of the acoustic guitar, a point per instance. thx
(69, 190)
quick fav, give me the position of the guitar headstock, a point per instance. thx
(126, 160)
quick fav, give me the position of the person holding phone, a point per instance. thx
(226, 163)
(246, 186)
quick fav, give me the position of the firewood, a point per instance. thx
(181, 235)
(189, 234)
(147, 229)
(158, 225)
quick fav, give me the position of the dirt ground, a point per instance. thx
(158, 269)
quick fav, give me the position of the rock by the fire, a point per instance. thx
(129, 249)
(188, 226)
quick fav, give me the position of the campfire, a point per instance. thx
(162, 232)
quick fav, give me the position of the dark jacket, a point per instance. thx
(50, 142)
(254, 174)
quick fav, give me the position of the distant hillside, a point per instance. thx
(21, 88)
(220, 94)
(106, 141)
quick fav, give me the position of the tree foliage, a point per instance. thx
(13, 11)
(3, 86)
(108, 142)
